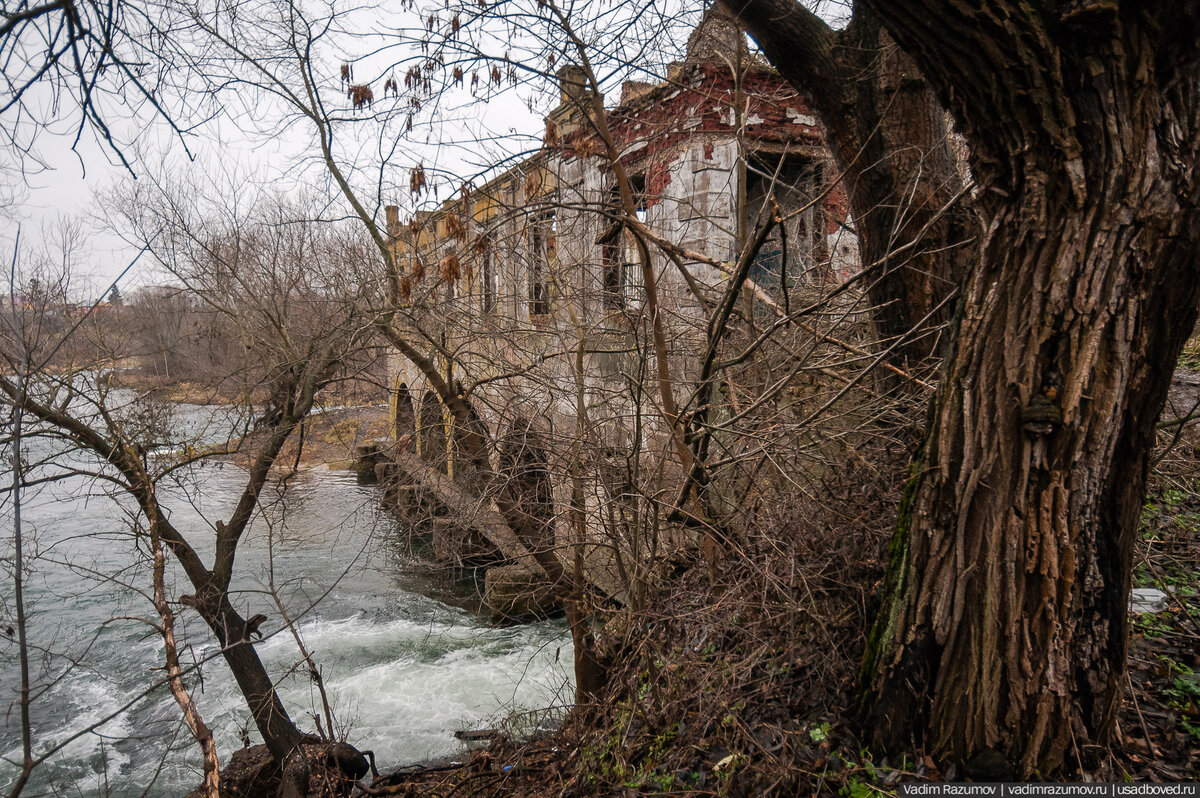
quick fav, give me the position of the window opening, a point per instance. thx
(621, 271)
(541, 254)
(491, 282)
(795, 186)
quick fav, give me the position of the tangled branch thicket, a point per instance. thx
(740, 658)
(747, 659)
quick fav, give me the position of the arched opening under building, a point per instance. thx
(404, 420)
(523, 462)
(432, 432)
(463, 443)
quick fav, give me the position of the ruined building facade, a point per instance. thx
(528, 290)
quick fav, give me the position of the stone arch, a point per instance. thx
(404, 420)
(524, 463)
(459, 435)
(431, 435)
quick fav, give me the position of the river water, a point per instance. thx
(403, 669)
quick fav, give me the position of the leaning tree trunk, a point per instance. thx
(235, 636)
(1003, 630)
(280, 734)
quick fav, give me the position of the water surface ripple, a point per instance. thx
(404, 670)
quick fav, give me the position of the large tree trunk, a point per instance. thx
(1003, 630)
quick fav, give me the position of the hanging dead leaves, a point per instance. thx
(416, 179)
(533, 184)
(420, 79)
(455, 227)
(586, 146)
(360, 96)
(451, 268)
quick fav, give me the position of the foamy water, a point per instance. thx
(403, 670)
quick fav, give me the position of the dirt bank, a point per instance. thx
(326, 439)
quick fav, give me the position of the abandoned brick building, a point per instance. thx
(534, 302)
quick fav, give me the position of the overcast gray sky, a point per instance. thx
(253, 146)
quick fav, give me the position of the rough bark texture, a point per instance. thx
(1003, 631)
(276, 727)
(889, 135)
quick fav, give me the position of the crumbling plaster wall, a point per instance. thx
(681, 140)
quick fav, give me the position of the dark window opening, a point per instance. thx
(637, 183)
(491, 285)
(796, 254)
(613, 276)
(541, 253)
(621, 284)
